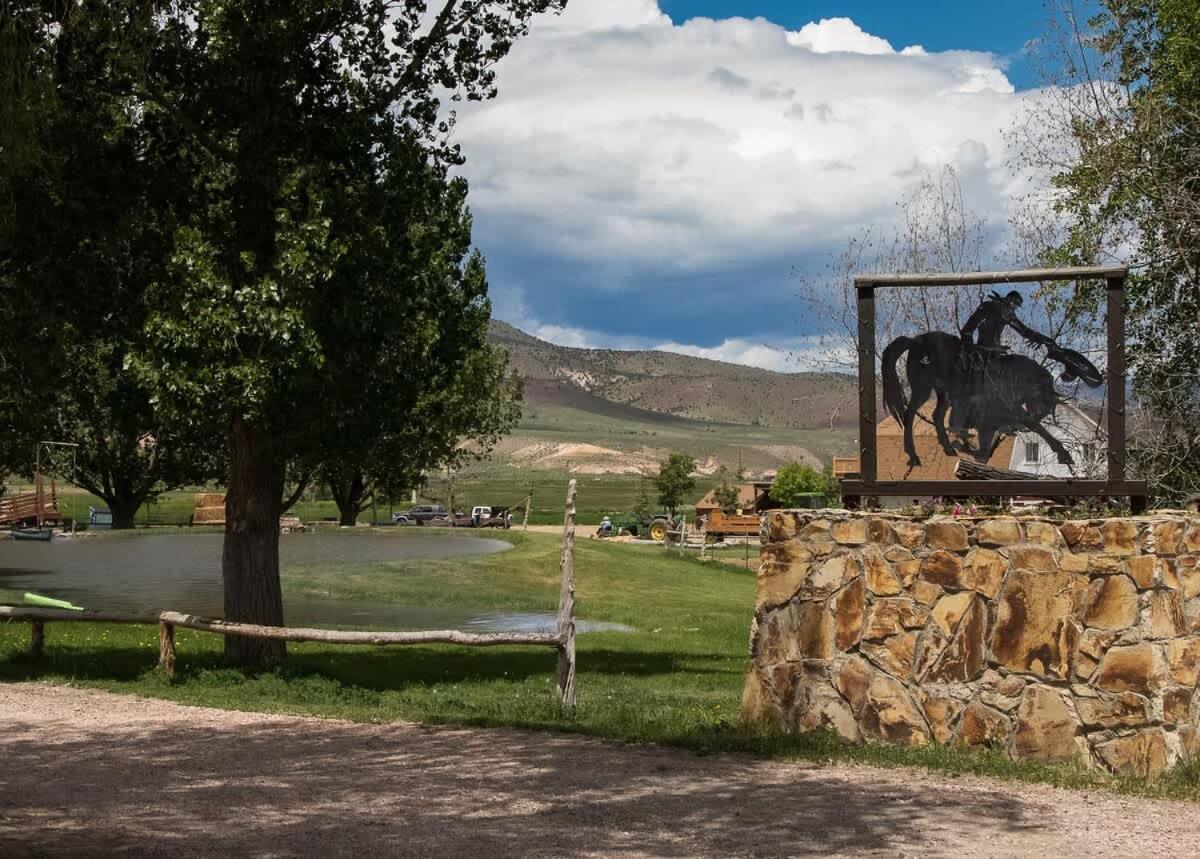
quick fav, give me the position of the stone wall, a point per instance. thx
(1051, 640)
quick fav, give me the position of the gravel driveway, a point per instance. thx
(90, 772)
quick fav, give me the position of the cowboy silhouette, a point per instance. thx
(983, 333)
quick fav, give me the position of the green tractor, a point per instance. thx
(653, 526)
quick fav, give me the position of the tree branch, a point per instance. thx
(299, 491)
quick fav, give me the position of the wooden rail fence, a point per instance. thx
(562, 639)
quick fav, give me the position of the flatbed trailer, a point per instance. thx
(718, 523)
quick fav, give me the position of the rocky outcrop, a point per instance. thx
(1053, 641)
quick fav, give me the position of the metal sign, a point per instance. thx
(976, 392)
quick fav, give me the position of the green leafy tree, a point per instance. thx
(1129, 105)
(674, 480)
(797, 480)
(287, 132)
(478, 403)
(726, 492)
(88, 208)
(450, 377)
(641, 506)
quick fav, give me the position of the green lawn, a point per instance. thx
(676, 680)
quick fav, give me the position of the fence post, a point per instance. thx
(528, 504)
(682, 534)
(565, 675)
(703, 536)
(37, 641)
(166, 648)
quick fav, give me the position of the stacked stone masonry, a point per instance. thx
(1054, 641)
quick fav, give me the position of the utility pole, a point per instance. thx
(450, 480)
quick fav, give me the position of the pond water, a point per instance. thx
(148, 572)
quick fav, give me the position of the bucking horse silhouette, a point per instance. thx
(979, 386)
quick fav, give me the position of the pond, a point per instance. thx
(147, 572)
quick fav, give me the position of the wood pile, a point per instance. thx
(209, 509)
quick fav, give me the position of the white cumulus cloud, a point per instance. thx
(628, 145)
(693, 143)
(838, 34)
(793, 355)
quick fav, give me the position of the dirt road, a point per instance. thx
(89, 772)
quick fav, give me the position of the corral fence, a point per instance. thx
(562, 639)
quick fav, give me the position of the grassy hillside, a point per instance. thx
(681, 385)
(637, 406)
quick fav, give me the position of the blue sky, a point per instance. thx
(1003, 27)
(655, 173)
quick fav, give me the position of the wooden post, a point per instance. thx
(166, 648)
(682, 533)
(528, 504)
(37, 641)
(703, 535)
(866, 385)
(565, 675)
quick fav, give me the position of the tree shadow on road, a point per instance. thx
(196, 781)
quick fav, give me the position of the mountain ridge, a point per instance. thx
(671, 385)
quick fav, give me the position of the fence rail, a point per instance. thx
(562, 639)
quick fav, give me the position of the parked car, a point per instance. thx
(420, 515)
(478, 514)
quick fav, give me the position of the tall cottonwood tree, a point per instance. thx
(450, 379)
(291, 115)
(476, 399)
(271, 127)
(443, 385)
(88, 208)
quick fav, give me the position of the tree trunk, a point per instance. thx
(349, 493)
(250, 561)
(124, 510)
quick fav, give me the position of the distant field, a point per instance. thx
(597, 494)
(490, 485)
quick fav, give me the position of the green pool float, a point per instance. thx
(50, 602)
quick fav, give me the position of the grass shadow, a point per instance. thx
(378, 670)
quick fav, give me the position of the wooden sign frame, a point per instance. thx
(867, 487)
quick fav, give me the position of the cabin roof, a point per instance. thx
(891, 462)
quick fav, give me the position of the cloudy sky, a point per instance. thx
(653, 173)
